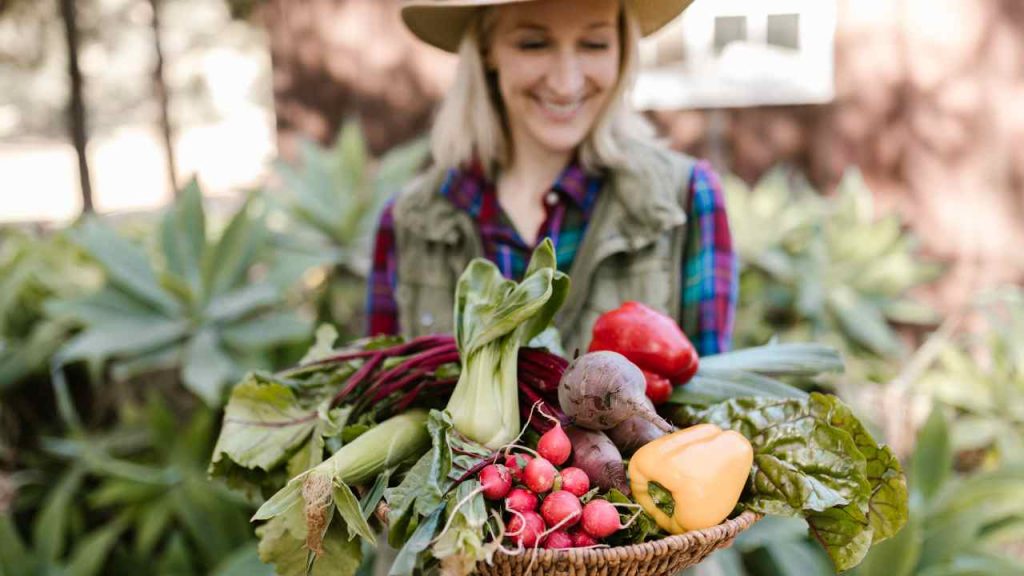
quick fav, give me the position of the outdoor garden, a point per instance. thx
(172, 378)
(122, 339)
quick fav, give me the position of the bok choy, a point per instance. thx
(494, 316)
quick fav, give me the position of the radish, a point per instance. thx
(561, 509)
(581, 539)
(601, 519)
(575, 481)
(526, 528)
(521, 500)
(496, 481)
(516, 463)
(554, 445)
(558, 540)
(539, 475)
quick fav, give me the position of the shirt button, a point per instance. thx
(551, 198)
(426, 319)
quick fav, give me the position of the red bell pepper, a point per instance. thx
(649, 339)
(659, 389)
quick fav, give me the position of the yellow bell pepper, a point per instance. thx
(691, 479)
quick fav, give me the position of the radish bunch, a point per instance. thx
(545, 505)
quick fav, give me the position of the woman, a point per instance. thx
(535, 139)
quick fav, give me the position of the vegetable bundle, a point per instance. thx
(484, 443)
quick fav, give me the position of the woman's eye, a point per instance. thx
(595, 45)
(532, 44)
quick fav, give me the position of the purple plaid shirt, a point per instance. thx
(709, 283)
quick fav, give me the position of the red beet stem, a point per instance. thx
(357, 378)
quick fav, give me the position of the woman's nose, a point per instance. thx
(566, 78)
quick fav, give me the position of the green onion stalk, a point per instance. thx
(494, 316)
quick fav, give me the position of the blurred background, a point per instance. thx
(188, 188)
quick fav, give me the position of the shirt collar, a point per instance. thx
(464, 187)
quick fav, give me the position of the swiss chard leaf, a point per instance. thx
(813, 458)
(800, 462)
(887, 499)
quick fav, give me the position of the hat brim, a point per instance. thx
(441, 23)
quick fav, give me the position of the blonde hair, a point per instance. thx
(470, 126)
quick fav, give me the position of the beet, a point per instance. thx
(630, 435)
(594, 453)
(600, 390)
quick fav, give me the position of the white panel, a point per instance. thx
(751, 73)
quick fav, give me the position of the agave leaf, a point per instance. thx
(126, 265)
(207, 367)
(226, 265)
(121, 338)
(183, 235)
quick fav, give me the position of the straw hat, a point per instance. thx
(441, 23)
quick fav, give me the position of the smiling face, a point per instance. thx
(557, 64)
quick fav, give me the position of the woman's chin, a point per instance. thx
(560, 141)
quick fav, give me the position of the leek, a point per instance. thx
(494, 316)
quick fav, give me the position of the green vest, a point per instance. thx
(632, 248)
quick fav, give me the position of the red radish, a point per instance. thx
(561, 509)
(575, 481)
(496, 481)
(554, 445)
(521, 500)
(558, 540)
(526, 528)
(516, 463)
(600, 519)
(581, 539)
(539, 475)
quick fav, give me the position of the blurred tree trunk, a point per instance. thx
(337, 59)
(160, 87)
(76, 104)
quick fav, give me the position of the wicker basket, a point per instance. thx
(660, 557)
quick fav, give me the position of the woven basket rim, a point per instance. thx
(723, 532)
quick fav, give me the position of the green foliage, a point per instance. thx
(814, 459)
(201, 307)
(823, 269)
(980, 373)
(33, 269)
(134, 496)
(959, 525)
(333, 198)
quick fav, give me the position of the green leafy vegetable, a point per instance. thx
(325, 488)
(438, 481)
(813, 458)
(493, 318)
(283, 544)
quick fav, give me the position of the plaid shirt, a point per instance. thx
(709, 283)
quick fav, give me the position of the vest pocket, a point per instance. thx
(425, 308)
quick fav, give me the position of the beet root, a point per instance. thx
(600, 390)
(594, 453)
(630, 435)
